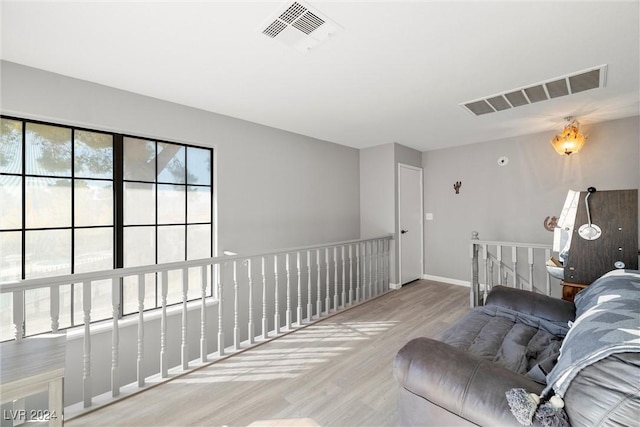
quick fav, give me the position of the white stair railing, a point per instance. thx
(339, 275)
(518, 265)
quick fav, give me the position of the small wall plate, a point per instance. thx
(502, 161)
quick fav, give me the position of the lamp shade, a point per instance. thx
(570, 140)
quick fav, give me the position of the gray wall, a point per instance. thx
(510, 203)
(275, 189)
(379, 192)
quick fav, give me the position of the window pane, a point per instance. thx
(11, 206)
(48, 253)
(48, 202)
(199, 241)
(93, 154)
(195, 282)
(100, 301)
(10, 256)
(48, 150)
(7, 330)
(174, 288)
(139, 160)
(93, 202)
(93, 249)
(10, 146)
(171, 204)
(65, 307)
(171, 243)
(36, 311)
(139, 203)
(139, 246)
(198, 166)
(199, 204)
(171, 163)
(130, 293)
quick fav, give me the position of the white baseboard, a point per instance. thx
(395, 286)
(447, 280)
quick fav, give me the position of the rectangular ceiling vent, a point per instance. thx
(593, 78)
(300, 26)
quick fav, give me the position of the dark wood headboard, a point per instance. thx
(616, 213)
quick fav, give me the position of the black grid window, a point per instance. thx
(77, 200)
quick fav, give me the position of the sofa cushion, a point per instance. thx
(535, 304)
(606, 393)
(519, 342)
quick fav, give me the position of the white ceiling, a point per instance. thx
(397, 72)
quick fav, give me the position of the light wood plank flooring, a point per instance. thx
(337, 372)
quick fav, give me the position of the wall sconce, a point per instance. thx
(570, 140)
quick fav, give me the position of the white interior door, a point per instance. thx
(410, 222)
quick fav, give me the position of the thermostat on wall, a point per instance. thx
(502, 161)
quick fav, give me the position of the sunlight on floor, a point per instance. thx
(287, 361)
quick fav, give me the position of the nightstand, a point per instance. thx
(569, 290)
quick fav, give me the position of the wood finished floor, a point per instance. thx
(338, 372)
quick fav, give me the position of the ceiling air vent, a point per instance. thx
(300, 26)
(593, 78)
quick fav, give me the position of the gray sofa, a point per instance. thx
(514, 341)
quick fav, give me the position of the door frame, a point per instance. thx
(421, 216)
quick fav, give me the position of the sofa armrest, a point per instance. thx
(528, 302)
(462, 383)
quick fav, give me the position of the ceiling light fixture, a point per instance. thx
(570, 140)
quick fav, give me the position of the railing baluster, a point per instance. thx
(86, 356)
(184, 346)
(221, 344)
(350, 274)
(236, 308)
(164, 358)
(485, 258)
(358, 294)
(514, 261)
(530, 261)
(318, 284)
(363, 274)
(276, 316)
(547, 255)
(335, 278)
(250, 327)
(288, 310)
(344, 280)
(18, 315)
(474, 294)
(387, 275)
(375, 244)
(309, 293)
(140, 356)
(499, 256)
(54, 308)
(115, 337)
(299, 307)
(371, 278)
(203, 313)
(265, 322)
(327, 298)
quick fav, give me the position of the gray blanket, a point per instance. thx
(607, 322)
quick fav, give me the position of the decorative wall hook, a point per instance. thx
(550, 223)
(457, 186)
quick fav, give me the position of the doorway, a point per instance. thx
(411, 230)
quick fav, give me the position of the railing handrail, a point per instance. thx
(39, 282)
(511, 244)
